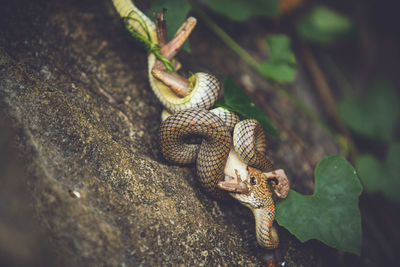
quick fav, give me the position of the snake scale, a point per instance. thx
(225, 162)
(210, 157)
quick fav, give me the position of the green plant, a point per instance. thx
(237, 101)
(323, 25)
(375, 117)
(331, 214)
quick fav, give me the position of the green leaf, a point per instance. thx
(175, 16)
(281, 65)
(240, 10)
(376, 116)
(379, 176)
(279, 46)
(331, 214)
(236, 100)
(323, 25)
(278, 71)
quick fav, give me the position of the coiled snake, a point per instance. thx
(224, 162)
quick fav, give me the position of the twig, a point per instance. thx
(178, 84)
(161, 27)
(170, 49)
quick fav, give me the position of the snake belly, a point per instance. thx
(210, 156)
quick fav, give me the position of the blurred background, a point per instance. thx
(348, 50)
(22, 241)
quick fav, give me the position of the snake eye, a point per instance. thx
(252, 180)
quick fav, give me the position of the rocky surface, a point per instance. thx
(75, 91)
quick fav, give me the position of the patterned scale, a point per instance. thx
(214, 148)
(260, 201)
(265, 232)
(249, 141)
(229, 118)
(206, 91)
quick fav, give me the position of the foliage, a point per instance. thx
(281, 65)
(331, 214)
(323, 25)
(379, 176)
(241, 10)
(237, 101)
(376, 116)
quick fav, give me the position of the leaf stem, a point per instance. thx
(327, 98)
(252, 62)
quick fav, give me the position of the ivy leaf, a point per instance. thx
(236, 100)
(381, 176)
(323, 25)
(281, 65)
(175, 16)
(377, 115)
(331, 214)
(240, 10)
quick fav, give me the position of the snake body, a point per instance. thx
(191, 117)
(210, 156)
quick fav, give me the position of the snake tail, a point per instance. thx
(137, 19)
(261, 203)
(210, 156)
(266, 232)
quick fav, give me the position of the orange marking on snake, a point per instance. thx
(272, 208)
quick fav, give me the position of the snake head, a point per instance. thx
(257, 191)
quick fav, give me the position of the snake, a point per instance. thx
(231, 154)
(206, 89)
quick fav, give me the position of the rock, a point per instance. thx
(76, 92)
